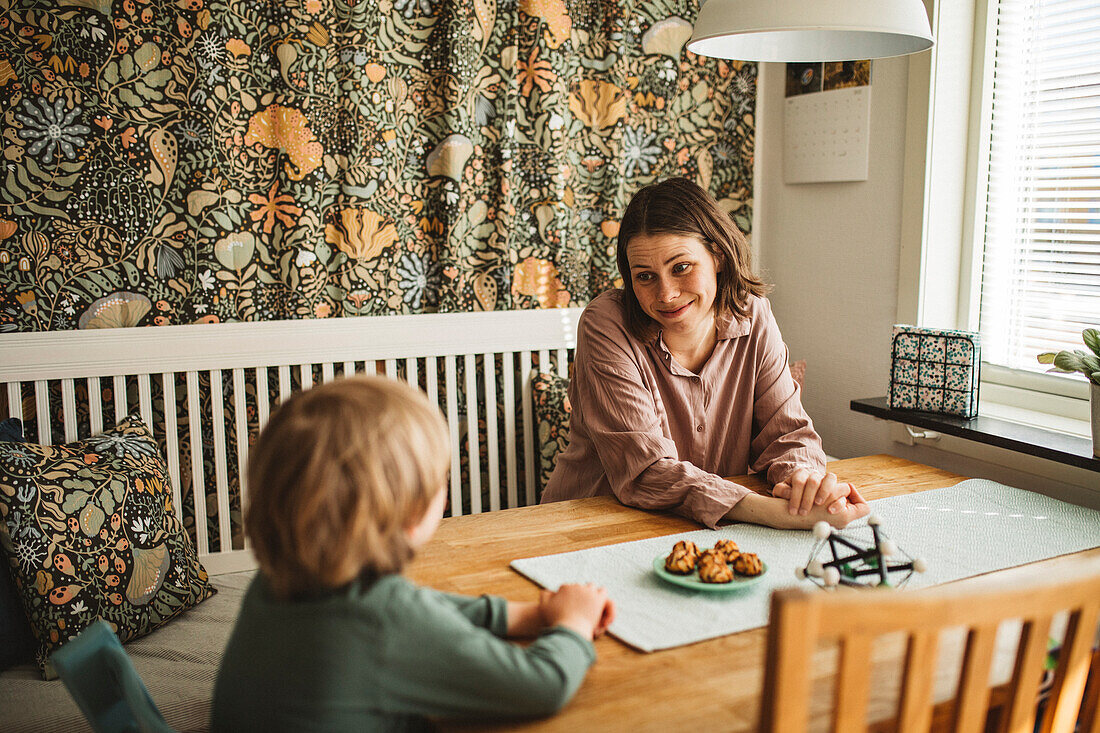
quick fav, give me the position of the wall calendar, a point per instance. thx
(826, 122)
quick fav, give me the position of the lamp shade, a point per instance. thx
(810, 30)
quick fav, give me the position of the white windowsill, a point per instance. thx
(1035, 418)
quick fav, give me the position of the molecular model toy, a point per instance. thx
(858, 563)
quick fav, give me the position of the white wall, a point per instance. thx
(832, 252)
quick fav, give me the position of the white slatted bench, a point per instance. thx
(463, 361)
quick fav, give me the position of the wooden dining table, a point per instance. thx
(713, 685)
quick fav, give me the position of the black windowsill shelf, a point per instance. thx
(1054, 446)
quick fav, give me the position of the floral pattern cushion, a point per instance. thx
(550, 394)
(17, 643)
(89, 532)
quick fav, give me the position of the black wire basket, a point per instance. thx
(935, 370)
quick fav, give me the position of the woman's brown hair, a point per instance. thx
(336, 477)
(679, 206)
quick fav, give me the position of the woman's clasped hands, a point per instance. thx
(809, 491)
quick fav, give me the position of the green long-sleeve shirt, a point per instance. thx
(384, 656)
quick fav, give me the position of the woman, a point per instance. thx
(681, 378)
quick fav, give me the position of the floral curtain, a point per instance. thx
(181, 161)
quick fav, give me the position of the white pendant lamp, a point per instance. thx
(810, 30)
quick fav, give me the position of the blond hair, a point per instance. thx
(336, 477)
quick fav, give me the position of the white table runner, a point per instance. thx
(974, 527)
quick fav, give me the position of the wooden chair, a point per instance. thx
(800, 618)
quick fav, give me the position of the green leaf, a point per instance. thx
(25, 180)
(107, 501)
(132, 273)
(157, 78)
(100, 280)
(126, 64)
(1067, 361)
(145, 91)
(65, 181)
(1092, 339)
(45, 211)
(32, 167)
(222, 220)
(127, 96)
(110, 73)
(74, 500)
(1046, 357)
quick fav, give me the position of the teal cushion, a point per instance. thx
(104, 683)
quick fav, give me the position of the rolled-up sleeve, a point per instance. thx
(784, 438)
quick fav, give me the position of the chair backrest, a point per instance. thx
(854, 619)
(105, 685)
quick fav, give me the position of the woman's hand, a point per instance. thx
(854, 506)
(805, 489)
(773, 512)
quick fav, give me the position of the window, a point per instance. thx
(1037, 228)
(1001, 206)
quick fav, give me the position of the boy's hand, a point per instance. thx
(524, 619)
(607, 616)
(606, 619)
(585, 609)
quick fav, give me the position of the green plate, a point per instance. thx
(692, 581)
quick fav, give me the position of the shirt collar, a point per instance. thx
(729, 326)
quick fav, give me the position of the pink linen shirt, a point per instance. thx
(657, 436)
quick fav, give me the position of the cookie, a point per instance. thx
(707, 555)
(748, 563)
(728, 548)
(682, 559)
(715, 571)
(687, 546)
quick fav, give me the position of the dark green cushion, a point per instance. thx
(17, 642)
(88, 531)
(550, 394)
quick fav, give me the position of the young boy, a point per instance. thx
(346, 482)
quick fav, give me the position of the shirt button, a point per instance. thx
(699, 429)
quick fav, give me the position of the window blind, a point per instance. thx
(1040, 278)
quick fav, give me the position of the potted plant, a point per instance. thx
(1088, 364)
